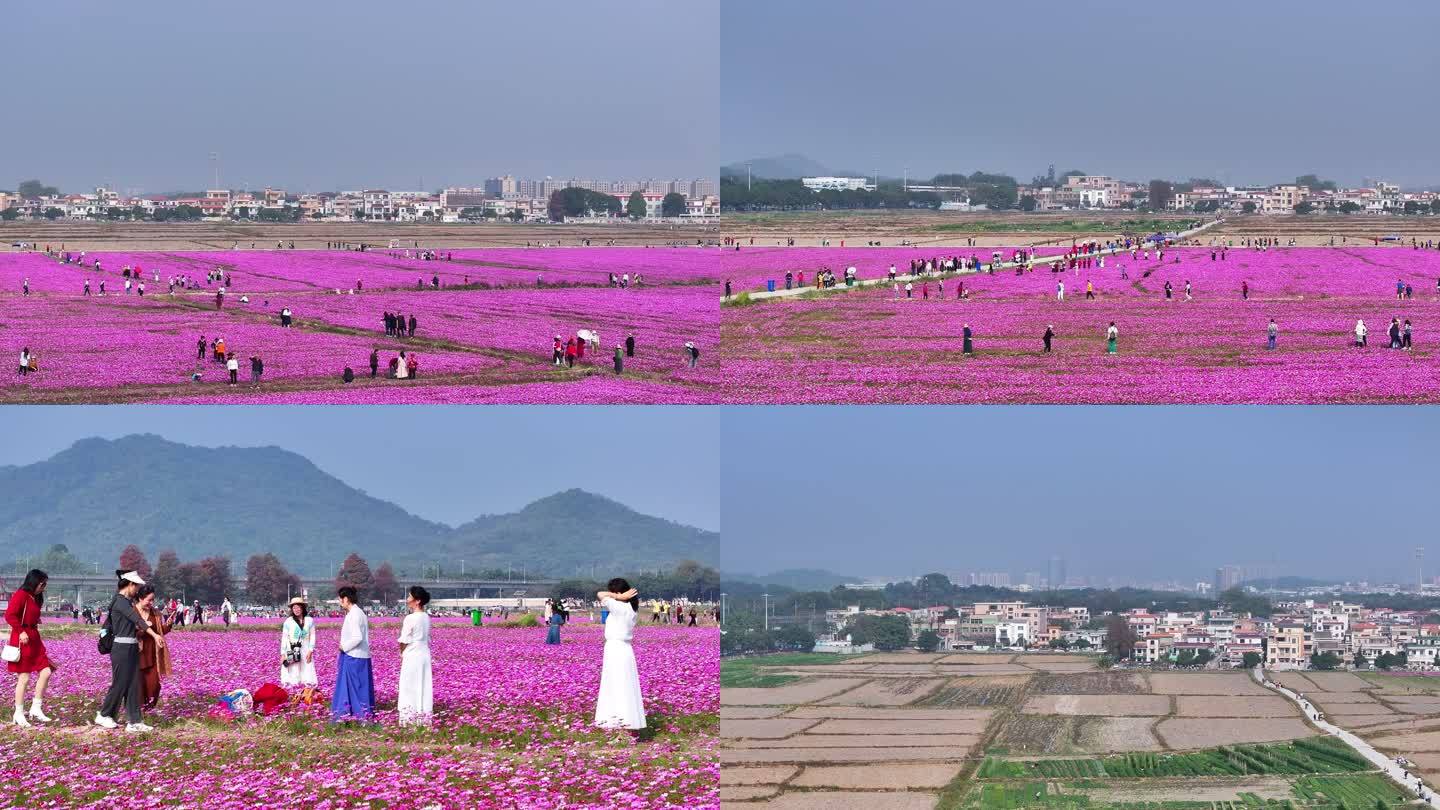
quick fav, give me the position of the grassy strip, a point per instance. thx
(1314, 792)
(1308, 756)
(747, 672)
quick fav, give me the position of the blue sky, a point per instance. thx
(1343, 492)
(329, 95)
(459, 462)
(1235, 90)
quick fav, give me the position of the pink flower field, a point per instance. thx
(489, 342)
(865, 346)
(750, 267)
(512, 728)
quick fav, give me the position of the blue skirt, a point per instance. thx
(354, 689)
(553, 637)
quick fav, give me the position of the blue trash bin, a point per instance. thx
(770, 285)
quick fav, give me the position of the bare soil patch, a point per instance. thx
(768, 775)
(949, 726)
(866, 713)
(1099, 705)
(1183, 733)
(770, 729)
(1294, 681)
(1339, 681)
(749, 712)
(1217, 706)
(1198, 683)
(742, 756)
(957, 742)
(1090, 683)
(892, 692)
(790, 694)
(880, 777)
(989, 691)
(849, 800)
(978, 658)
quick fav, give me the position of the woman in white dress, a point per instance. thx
(417, 699)
(619, 704)
(297, 646)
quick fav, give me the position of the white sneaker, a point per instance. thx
(39, 715)
(20, 718)
(137, 728)
(105, 721)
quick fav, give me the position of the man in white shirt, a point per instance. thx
(354, 679)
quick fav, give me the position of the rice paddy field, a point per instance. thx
(486, 320)
(1001, 730)
(876, 345)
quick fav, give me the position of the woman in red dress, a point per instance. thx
(23, 616)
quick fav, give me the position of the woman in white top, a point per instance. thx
(297, 646)
(416, 700)
(619, 704)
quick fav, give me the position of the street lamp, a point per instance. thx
(767, 612)
(722, 608)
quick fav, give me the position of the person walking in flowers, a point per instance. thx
(1271, 332)
(1112, 337)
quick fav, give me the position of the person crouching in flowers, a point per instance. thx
(416, 695)
(354, 678)
(555, 615)
(154, 656)
(25, 647)
(619, 704)
(297, 647)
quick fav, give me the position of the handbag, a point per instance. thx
(11, 653)
(106, 641)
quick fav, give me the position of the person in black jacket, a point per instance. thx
(123, 625)
(630, 346)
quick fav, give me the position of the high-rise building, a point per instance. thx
(503, 187)
(1057, 572)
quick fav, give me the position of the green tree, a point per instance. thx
(1028, 202)
(1250, 660)
(927, 641)
(1304, 207)
(1358, 660)
(52, 213)
(10, 214)
(1325, 660)
(166, 578)
(885, 632)
(472, 213)
(1161, 193)
(635, 208)
(793, 638)
(673, 205)
(1120, 638)
(1315, 183)
(1247, 207)
(34, 190)
(1186, 658)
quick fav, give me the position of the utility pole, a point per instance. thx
(747, 176)
(767, 611)
(905, 181)
(722, 608)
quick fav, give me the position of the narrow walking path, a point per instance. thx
(1388, 766)
(993, 267)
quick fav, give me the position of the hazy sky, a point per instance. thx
(329, 95)
(1237, 90)
(1148, 492)
(459, 463)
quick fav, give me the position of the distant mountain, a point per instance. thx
(800, 579)
(781, 167)
(100, 495)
